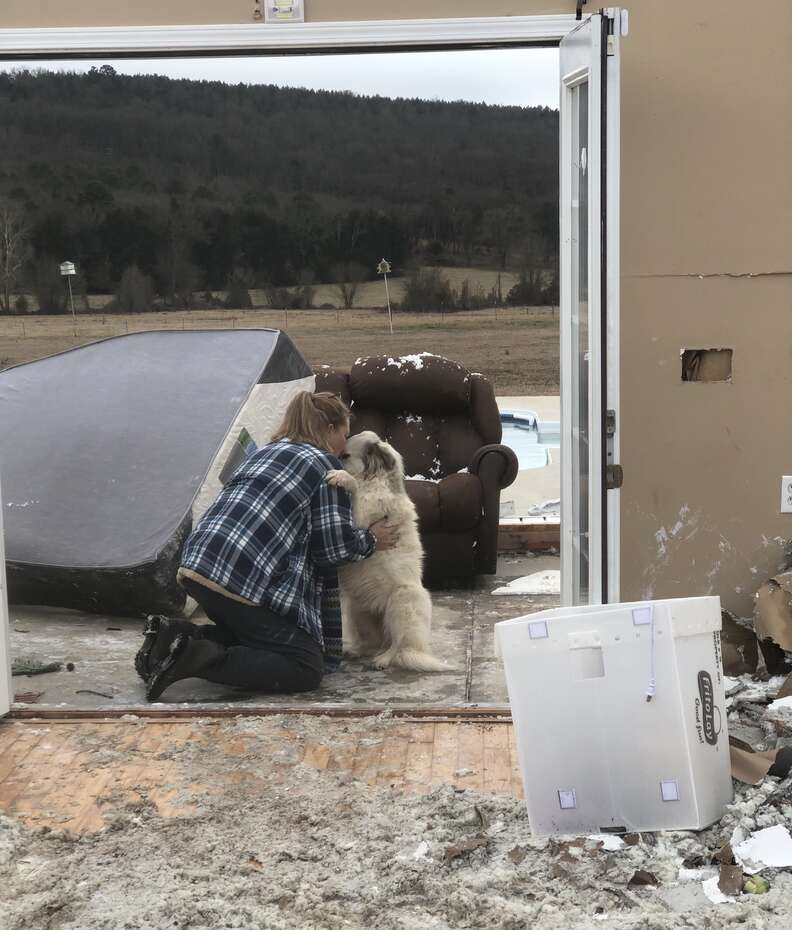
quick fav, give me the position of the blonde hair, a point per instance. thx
(310, 418)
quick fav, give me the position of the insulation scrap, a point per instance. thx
(30, 665)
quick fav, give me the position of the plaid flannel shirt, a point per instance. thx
(277, 532)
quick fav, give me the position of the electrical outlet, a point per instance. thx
(786, 494)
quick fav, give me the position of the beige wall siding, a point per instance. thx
(23, 14)
(703, 461)
(706, 191)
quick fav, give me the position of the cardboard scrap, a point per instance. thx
(725, 855)
(465, 846)
(730, 879)
(786, 689)
(730, 875)
(642, 877)
(739, 649)
(773, 611)
(518, 854)
(713, 892)
(750, 767)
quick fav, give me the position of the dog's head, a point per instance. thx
(367, 456)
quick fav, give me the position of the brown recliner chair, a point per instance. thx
(444, 421)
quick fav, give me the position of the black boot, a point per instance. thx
(158, 634)
(187, 658)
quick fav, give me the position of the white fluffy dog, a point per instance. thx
(385, 610)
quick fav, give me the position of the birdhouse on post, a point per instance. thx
(67, 270)
(384, 268)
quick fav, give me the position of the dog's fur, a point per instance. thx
(385, 610)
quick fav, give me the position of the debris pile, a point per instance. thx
(319, 848)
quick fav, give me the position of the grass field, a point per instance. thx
(516, 348)
(370, 293)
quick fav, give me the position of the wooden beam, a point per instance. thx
(473, 712)
(537, 536)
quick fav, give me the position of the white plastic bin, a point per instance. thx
(595, 754)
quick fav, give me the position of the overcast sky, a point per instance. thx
(515, 77)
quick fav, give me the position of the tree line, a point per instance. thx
(201, 186)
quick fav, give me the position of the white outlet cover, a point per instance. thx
(786, 494)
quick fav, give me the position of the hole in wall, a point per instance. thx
(706, 364)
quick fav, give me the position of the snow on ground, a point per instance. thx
(547, 582)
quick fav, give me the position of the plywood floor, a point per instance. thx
(75, 775)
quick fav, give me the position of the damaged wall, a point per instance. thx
(706, 191)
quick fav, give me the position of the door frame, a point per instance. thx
(569, 362)
(611, 295)
(603, 144)
(256, 38)
(41, 44)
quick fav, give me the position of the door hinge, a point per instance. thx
(614, 474)
(614, 477)
(611, 15)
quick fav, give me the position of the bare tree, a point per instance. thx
(14, 250)
(348, 277)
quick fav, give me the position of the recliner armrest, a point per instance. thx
(509, 468)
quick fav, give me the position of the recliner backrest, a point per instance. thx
(434, 411)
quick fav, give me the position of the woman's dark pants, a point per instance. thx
(264, 650)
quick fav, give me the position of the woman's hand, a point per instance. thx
(385, 533)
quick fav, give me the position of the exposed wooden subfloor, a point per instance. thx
(479, 712)
(75, 775)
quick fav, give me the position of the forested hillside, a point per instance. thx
(200, 183)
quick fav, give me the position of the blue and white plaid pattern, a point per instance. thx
(277, 532)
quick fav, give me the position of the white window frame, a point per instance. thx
(251, 38)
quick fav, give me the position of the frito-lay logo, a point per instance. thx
(707, 705)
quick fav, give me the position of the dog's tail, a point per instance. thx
(417, 661)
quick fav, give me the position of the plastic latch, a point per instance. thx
(586, 639)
